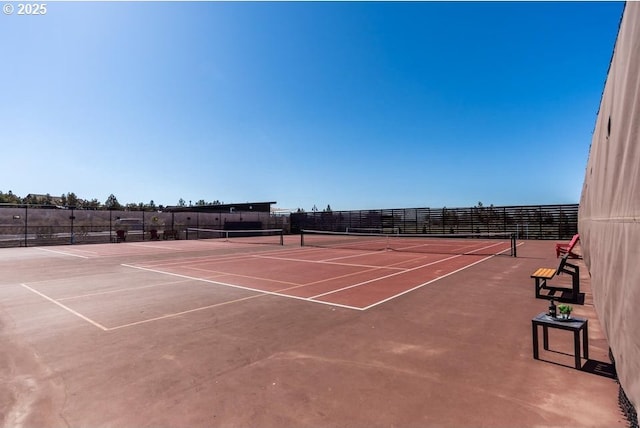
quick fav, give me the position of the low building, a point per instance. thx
(261, 207)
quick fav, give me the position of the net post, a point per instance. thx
(514, 245)
(302, 237)
(281, 236)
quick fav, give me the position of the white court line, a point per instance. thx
(392, 265)
(369, 253)
(327, 262)
(192, 260)
(333, 278)
(314, 298)
(426, 283)
(66, 308)
(264, 292)
(220, 273)
(160, 247)
(260, 294)
(183, 312)
(369, 268)
(383, 277)
(308, 284)
(408, 270)
(119, 290)
(61, 252)
(194, 278)
(456, 248)
(293, 284)
(306, 299)
(207, 258)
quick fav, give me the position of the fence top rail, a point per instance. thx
(440, 209)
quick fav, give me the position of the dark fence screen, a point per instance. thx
(528, 222)
(29, 225)
(33, 225)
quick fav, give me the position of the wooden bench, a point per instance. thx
(563, 294)
(562, 248)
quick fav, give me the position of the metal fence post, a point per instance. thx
(26, 223)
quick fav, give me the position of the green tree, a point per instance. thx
(92, 204)
(112, 203)
(9, 198)
(72, 200)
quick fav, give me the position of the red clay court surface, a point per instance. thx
(209, 333)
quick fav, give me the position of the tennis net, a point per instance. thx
(475, 243)
(257, 236)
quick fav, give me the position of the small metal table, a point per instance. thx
(574, 324)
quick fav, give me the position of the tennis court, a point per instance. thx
(219, 332)
(359, 274)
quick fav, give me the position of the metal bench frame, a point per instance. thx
(562, 294)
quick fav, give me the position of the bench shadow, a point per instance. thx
(565, 297)
(579, 300)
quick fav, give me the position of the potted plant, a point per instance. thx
(565, 311)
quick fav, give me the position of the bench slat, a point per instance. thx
(546, 273)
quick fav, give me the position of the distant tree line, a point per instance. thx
(72, 200)
(314, 209)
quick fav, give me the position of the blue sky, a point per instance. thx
(354, 105)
